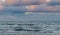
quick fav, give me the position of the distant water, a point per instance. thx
(30, 22)
(30, 27)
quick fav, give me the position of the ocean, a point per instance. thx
(29, 27)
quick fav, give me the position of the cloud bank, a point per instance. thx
(30, 5)
(11, 10)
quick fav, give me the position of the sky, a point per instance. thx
(10, 9)
(31, 5)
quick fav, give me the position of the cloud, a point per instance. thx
(31, 8)
(7, 18)
(15, 9)
(29, 2)
(54, 2)
(31, 17)
(24, 2)
(46, 6)
(21, 2)
(43, 8)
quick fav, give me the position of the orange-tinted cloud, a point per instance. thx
(44, 1)
(9, 2)
(1, 7)
(32, 7)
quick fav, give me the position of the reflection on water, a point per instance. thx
(30, 27)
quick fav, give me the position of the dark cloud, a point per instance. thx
(15, 9)
(54, 3)
(22, 3)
